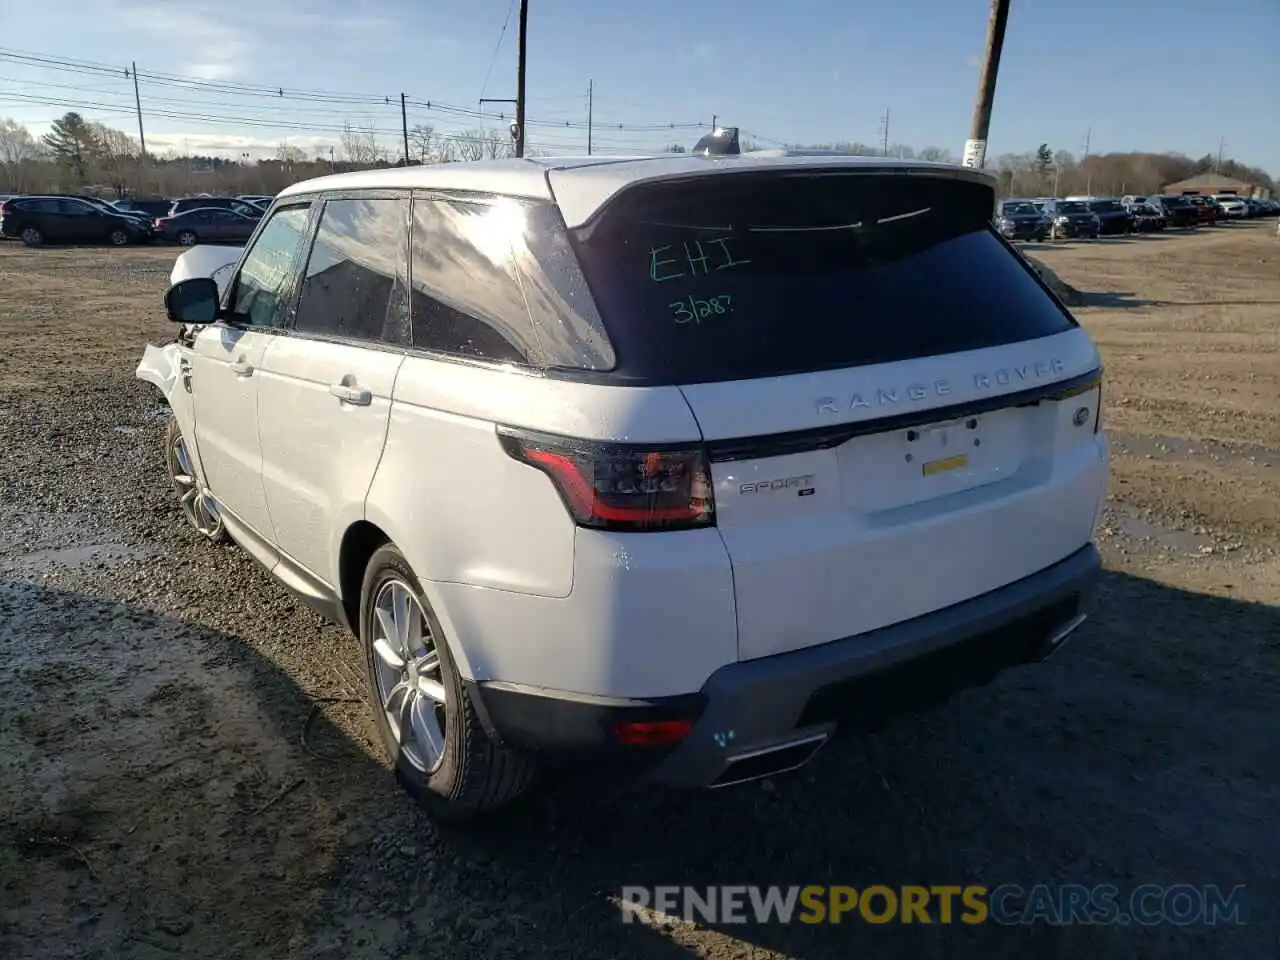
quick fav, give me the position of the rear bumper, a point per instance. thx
(760, 716)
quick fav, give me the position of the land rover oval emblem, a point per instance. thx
(1080, 417)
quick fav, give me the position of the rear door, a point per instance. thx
(890, 397)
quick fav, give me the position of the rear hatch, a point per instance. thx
(898, 415)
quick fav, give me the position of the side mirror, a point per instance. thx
(193, 301)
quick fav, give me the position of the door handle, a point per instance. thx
(242, 368)
(352, 395)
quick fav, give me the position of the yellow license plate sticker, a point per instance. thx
(934, 467)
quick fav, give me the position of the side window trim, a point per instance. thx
(305, 236)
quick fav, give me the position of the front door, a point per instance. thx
(329, 384)
(226, 366)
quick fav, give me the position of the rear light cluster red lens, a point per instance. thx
(621, 487)
(652, 733)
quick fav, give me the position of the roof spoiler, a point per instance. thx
(720, 142)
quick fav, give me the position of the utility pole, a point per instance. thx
(404, 129)
(1217, 167)
(714, 117)
(590, 91)
(975, 148)
(137, 102)
(884, 133)
(1088, 174)
(520, 72)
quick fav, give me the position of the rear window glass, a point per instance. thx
(742, 276)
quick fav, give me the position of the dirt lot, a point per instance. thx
(181, 773)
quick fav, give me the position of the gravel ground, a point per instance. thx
(182, 772)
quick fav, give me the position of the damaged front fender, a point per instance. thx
(162, 367)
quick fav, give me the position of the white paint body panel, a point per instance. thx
(878, 541)
(225, 381)
(319, 453)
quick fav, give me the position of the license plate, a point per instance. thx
(946, 464)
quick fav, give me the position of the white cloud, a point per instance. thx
(233, 147)
(219, 48)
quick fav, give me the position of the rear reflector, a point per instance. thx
(652, 733)
(610, 486)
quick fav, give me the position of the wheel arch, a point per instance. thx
(360, 541)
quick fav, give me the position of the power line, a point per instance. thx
(333, 99)
(484, 87)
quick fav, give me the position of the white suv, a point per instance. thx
(680, 462)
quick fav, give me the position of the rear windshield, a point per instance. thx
(1018, 208)
(1107, 206)
(740, 276)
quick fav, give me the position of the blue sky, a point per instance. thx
(1140, 74)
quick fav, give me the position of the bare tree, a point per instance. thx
(935, 154)
(360, 146)
(114, 157)
(446, 150)
(422, 139)
(19, 153)
(469, 144)
(287, 153)
(498, 147)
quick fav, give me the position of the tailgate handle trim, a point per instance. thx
(824, 438)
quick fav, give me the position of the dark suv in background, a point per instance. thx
(38, 220)
(1021, 220)
(1177, 211)
(1072, 218)
(1113, 217)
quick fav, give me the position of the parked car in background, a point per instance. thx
(148, 208)
(1071, 218)
(1113, 216)
(242, 207)
(54, 219)
(206, 225)
(1235, 207)
(256, 199)
(1256, 207)
(1177, 211)
(1021, 220)
(106, 207)
(1206, 213)
(1146, 218)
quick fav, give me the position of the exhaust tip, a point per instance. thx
(772, 760)
(1058, 639)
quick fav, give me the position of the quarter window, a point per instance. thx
(498, 280)
(260, 295)
(355, 282)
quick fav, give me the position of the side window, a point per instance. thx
(499, 281)
(73, 208)
(355, 282)
(260, 294)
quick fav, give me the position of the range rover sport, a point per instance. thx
(686, 463)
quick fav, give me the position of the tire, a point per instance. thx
(198, 507)
(187, 238)
(447, 762)
(118, 238)
(31, 236)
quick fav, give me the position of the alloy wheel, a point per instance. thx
(410, 684)
(200, 509)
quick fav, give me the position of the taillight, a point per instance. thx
(4, 208)
(610, 486)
